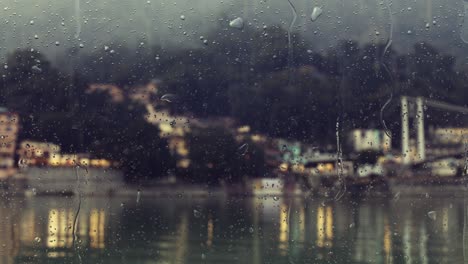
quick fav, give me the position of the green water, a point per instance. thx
(231, 230)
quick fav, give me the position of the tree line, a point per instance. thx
(249, 74)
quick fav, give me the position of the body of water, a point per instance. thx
(180, 229)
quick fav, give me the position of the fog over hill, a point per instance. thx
(54, 26)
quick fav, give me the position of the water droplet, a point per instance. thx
(203, 256)
(397, 196)
(276, 198)
(122, 204)
(169, 98)
(81, 45)
(205, 42)
(112, 51)
(36, 36)
(5, 66)
(410, 32)
(31, 22)
(22, 163)
(432, 215)
(316, 12)
(57, 43)
(36, 69)
(106, 48)
(427, 195)
(196, 213)
(377, 33)
(242, 150)
(37, 239)
(427, 25)
(351, 225)
(138, 196)
(309, 51)
(182, 17)
(251, 230)
(148, 2)
(237, 23)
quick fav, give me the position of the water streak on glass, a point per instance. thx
(389, 72)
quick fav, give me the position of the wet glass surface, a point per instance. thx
(214, 229)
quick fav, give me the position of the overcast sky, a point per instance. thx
(96, 23)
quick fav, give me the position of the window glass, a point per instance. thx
(231, 131)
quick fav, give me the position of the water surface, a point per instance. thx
(183, 229)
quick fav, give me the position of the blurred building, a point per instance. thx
(37, 153)
(370, 140)
(116, 94)
(450, 135)
(9, 129)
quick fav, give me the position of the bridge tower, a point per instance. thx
(409, 111)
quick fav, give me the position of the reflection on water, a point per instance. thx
(234, 230)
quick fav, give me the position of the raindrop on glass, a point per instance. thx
(182, 17)
(57, 43)
(81, 45)
(432, 215)
(316, 12)
(275, 198)
(237, 23)
(251, 230)
(22, 163)
(242, 150)
(37, 239)
(169, 98)
(196, 213)
(36, 36)
(138, 196)
(31, 22)
(36, 69)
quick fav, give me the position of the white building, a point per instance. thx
(370, 139)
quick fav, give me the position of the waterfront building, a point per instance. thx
(9, 129)
(370, 140)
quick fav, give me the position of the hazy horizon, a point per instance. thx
(104, 22)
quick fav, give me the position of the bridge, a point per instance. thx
(414, 107)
